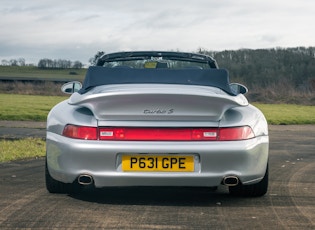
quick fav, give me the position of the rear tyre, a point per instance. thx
(54, 186)
(254, 190)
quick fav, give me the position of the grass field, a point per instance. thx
(36, 108)
(26, 107)
(34, 72)
(288, 114)
(21, 149)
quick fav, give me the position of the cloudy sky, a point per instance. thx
(77, 29)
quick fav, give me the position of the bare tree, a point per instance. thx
(94, 59)
(21, 62)
(5, 62)
(13, 62)
(77, 65)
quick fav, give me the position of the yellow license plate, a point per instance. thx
(153, 163)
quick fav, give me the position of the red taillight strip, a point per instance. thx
(176, 134)
(158, 134)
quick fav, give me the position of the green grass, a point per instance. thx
(21, 149)
(16, 107)
(288, 114)
(36, 108)
(34, 72)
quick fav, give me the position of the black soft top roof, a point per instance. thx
(97, 76)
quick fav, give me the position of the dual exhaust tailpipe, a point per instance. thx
(230, 181)
(85, 179)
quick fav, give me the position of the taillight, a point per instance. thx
(80, 132)
(158, 134)
(235, 133)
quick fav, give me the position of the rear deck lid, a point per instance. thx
(157, 102)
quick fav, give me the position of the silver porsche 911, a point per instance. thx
(157, 119)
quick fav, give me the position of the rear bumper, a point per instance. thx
(69, 158)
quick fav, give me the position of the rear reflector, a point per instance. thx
(158, 134)
(80, 132)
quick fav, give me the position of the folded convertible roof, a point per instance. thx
(97, 76)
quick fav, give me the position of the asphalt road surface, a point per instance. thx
(289, 203)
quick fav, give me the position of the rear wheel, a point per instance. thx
(54, 186)
(253, 190)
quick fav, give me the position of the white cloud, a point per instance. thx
(77, 29)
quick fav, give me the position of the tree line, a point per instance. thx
(13, 62)
(58, 64)
(265, 67)
(45, 63)
(282, 75)
(261, 67)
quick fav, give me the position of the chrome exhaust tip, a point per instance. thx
(85, 179)
(230, 181)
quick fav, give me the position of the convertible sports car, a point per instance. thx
(157, 119)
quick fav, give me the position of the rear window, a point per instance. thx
(156, 63)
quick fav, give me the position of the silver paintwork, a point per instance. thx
(163, 102)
